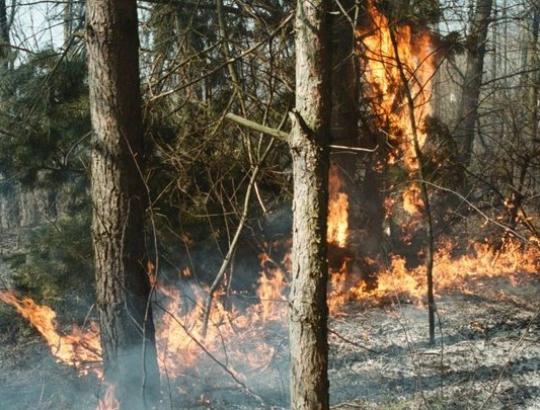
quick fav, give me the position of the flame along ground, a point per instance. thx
(180, 331)
(180, 326)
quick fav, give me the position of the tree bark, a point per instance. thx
(345, 78)
(4, 34)
(119, 203)
(308, 310)
(69, 16)
(468, 107)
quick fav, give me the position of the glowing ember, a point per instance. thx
(80, 348)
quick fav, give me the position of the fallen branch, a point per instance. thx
(343, 338)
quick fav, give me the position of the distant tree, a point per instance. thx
(472, 82)
(119, 203)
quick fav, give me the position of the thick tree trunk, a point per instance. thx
(308, 310)
(118, 195)
(468, 108)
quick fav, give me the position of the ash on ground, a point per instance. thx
(487, 356)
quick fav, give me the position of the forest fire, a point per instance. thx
(452, 273)
(237, 336)
(180, 329)
(386, 86)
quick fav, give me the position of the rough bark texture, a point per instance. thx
(308, 311)
(468, 108)
(118, 195)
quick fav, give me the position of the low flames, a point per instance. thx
(80, 348)
(482, 262)
(180, 330)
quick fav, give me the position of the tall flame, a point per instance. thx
(386, 88)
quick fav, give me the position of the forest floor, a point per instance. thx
(488, 357)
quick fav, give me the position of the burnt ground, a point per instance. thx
(488, 357)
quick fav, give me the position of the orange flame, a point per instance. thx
(183, 334)
(338, 210)
(452, 274)
(80, 348)
(386, 90)
(180, 333)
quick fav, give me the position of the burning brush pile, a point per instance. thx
(245, 343)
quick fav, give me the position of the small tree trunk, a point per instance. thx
(119, 203)
(69, 16)
(308, 310)
(4, 34)
(470, 94)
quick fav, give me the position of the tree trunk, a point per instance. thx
(468, 107)
(4, 34)
(308, 310)
(119, 203)
(534, 76)
(69, 17)
(345, 78)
